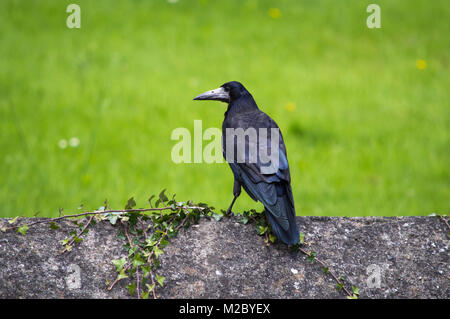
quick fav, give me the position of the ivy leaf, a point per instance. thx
(12, 221)
(262, 230)
(325, 270)
(132, 250)
(150, 200)
(53, 226)
(130, 204)
(217, 216)
(146, 271)
(355, 290)
(272, 238)
(137, 260)
(150, 287)
(122, 275)
(101, 209)
(163, 196)
(132, 288)
(23, 229)
(157, 251)
(163, 243)
(243, 220)
(121, 235)
(312, 255)
(302, 238)
(160, 279)
(150, 242)
(133, 218)
(119, 263)
(145, 294)
(354, 296)
(112, 219)
(172, 234)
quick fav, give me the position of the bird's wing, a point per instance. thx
(262, 185)
(274, 170)
(270, 184)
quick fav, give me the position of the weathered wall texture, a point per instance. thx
(405, 257)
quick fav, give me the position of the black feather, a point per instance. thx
(272, 189)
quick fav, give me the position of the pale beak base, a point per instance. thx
(218, 94)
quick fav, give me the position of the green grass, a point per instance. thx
(369, 134)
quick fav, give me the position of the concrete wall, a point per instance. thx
(402, 257)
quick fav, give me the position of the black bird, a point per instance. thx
(263, 180)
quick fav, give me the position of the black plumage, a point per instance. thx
(271, 186)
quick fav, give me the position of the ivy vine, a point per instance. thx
(147, 231)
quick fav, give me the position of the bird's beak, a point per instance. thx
(218, 94)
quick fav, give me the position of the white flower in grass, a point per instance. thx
(74, 142)
(62, 144)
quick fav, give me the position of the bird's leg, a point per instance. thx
(236, 193)
(229, 212)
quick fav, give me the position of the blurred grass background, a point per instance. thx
(364, 112)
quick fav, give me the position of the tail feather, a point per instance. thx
(279, 206)
(285, 229)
